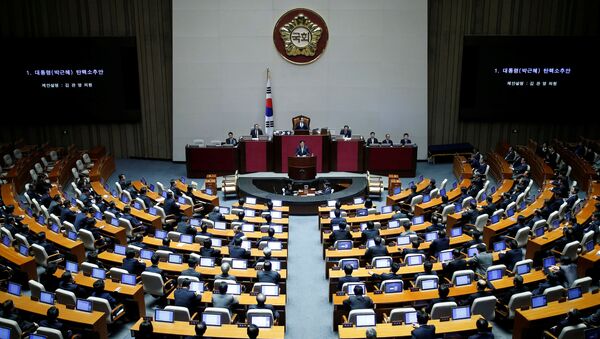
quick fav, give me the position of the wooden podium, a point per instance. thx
(302, 168)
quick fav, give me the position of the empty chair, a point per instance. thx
(129, 229)
(520, 198)
(478, 196)
(538, 224)
(174, 236)
(33, 175)
(496, 267)
(118, 187)
(442, 310)
(36, 288)
(116, 273)
(554, 293)
(15, 329)
(88, 239)
(397, 314)
(38, 168)
(420, 279)
(511, 206)
(460, 273)
(485, 306)
(81, 168)
(480, 222)
(447, 210)
(562, 210)
(65, 297)
(434, 193)
(163, 255)
(414, 201)
(155, 286)
(354, 313)
(18, 154)
(160, 187)
(522, 236)
(179, 313)
(585, 283)
(8, 162)
(527, 262)
(222, 312)
(517, 301)
(50, 333)
(42, 258)
(573, 332)
(87, 267)
(102, 305)
(466, 201)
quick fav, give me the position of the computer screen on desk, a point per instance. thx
(414, 260)
(251, 200)
(494, 275)
(211, 319)
(459, 313)
(163, 316)
(538, 301)
(365, 320)
(261, 321)
(463, 280)
(410, 318)
(429, 284)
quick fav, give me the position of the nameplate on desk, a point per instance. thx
(524, 308)
(242, 325)
(253, 293)
(33, 298)
(368, 267)
(444, 319)
(194, 322)
(362, 247)
(86, 274)
(147, 318)
(70, 306)
(335, 268)
(348, 325)
(414, 289)
(378, 292)
(562, 300)
(595, 291)
(340, 293)
(396, 323)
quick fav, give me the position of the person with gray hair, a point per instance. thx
(215, 215)
(225, 273)
(260, 304)
(371, 333)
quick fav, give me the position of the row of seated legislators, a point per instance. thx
(463, 264)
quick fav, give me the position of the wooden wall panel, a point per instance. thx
(150, 22)
(450, 20)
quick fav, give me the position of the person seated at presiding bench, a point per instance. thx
(346, 132)
(372, 140)
(230, 139)
(301, 125)
(256, 131)
(405, 140)
(387, 141)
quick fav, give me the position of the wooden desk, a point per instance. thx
(103, 168)
(401, 160)
(26, 265)
(61, 172)
(223, 160)
(228, 233)
(256, 220)
(183, 328)
(427, 207)
(210, 199)
(404, 331)
(461, 168)
(392, 199)
(588, 261)
(534, 321)
(261, 207)
(499, 167)
(347, 155)
(94, 320)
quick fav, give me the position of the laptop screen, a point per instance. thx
(445, 256)
(493, 189)
(549, 261)
(429, 284)
(589, 246)
(482, 197)
(247, 245)
(146, 254)
(471, 252)
(251, 200)
(330, 203)
(426, 198)
(275, 245)
(454, 185)
(163, 316)
(523, 269)
(393, 287)
(358, 201)
(418, 220)
(4, 333)
(538, 301)
(363, 320)
(403, 240)
(137, 205)
(456, 232)
(393, 224)
(383, 263)
(216, 242)
(124, 198)
(431, 236)
(277, 203)
(247, 227)
(71, 266)
(224, 210)
(410, 318)
(54, 228)
(523, 205)
(175, 259)
(344, 244)
(6, 240)
(362, 212)
(195, 222)
(128, 279)
(159, 234)
(239, 264)
(463, 280)
(98, 273)
(211, 319)
(114, 222)
(457, 208)
(275, 265)
(234, 289)
(98, 215)
(186, 238)
(495, 218)
(555, 223)
(270, 290)
(499, 246)
(207, 262)
(182, 200)
(14, 288)
(370, 243)
(351, 262)
(220, 225)
(152, 210)
(443, 192)
(23, 250)
(510, 212)
(47, 297)
(249, 213)
(208, 191)
(182, 179)
(397, 190)
(83, 305)
(350, 287)
(494, 274)
(261, 321)
(414, 260)
(196, 286)
(119, 249)
(41, 220)
(386, 209)
(574, 293)
(461, 313)
(539, 231)
(276, 214)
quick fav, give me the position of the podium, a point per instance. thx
(302, 168)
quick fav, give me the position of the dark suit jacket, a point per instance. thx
(340, 235)
(55, 324)
(268, 276)
(302, 152)
(49, 281)
(358, 302)
(209, 252)
(369, 234)
(238, 252)
(105, 295)
(482, 335)
(479, 294)
(372, 141)
(346, 279)
(439, 245)
(188, 299)
(511, 257)
(453, 266)
(231, 141)
(405, 142)
(303, 127)
(171, 207)
(387, 142)
(133, 266)
(376, 251)
(346, 134)
(190, 272)
(423, 332)
(256, 132)
(155, 269)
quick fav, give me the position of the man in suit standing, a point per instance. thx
(302, 150)
(186, 298)
(405, 140)
(224, 300)
(439, 244)
(422, 330)
(346, 132)
(301, 125)
(256, 131)
(387, 141)
(372, 140)
(230, 139)
(358, 301)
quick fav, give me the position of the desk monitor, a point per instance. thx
(270, 290)
(365, 320)
(152, 211)
(443, 192)
(220, 225)
(164, 194)
(137, 205)
(247, 245)
(574, 293)
(41, 220)
(276, 214)
(410, 318)
(29, 211)
(510, 212)
(182, 179)
(555, 223)
(472, 251)
(429, 284)
(224, 210)
(397, 190)
(235, 289)
(6, 240)
(539, 231)
(351, 262)
(538, 301)
(494, 274)
(482, 197)
(362, 212)
(98, 215)
(386, 209)
(350, 287)
(523, 269)
(208, 191)
(182, 200)
(4, 332)
(23, 250)
(277, 228)
(393, 287)
(146, 254)
(260, 320)
(163, 316)
(358, 201)
(463, 312)
(197, 287)
(523, 205)
(98, 273)
(456, 232)
(250, 200)
(431, 236)
(332, 214)
(589, 246)
(382, 262)
(454, 185)
(275, 265)
(426, 198)
(207, 262)
(71, 266)
(275, 245)
(128, 279)
(335, 227)
(330, 203)
(216, 242)
(239, 264)
(493, 189)
(151, 187)
(411, 184)
(457, 207)
(414, 260)
(114, 222)
(393, 224)
(249, 213)
(211, 319)
(549, 261)
(568, 215)
(54, 228)
(175, 258)
(370, 243)
(195, 222)
(277, 203)
(445, 256)
(83, 305)
(37, 336)
(14, 288)
(418, 220)
(420, 179)
(403, 240)
(499, 246)
(124, 199)
(344, 244)
(160, 234)
(248, 227)
(47, 297)
(463, 280)
(363, 226)
(186, 238)
(120, 249)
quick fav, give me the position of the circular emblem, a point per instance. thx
(300, 36)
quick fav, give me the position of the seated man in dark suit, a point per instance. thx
(405, 140)
(186, 298)
(270, 236)
(369, 233)
(338, 218)
(457, 264)
(171, 206)
(100, 292)
(376, 251)
(256, 131)
(67, 283)
(147, 201)
(443, 291)
(481, 292)
(482, 330)
(131, 264)
(154, 267)
(260, 305)
(237, 251)
(372, 140)
(215, 215)
(346, 132)
(358, 300)
(135, 222)
(387, 141)
(511, 256)
(414, 249)
(391, 275)
(302, 150)
(48, 246)
(341, 234)
(439, 244)
(347, 278)
(301, 125)
(208, 251)
(52, 321)
(191, 270)
(267, 274)
(573, 318)
(8, 311)
(48, 279)
(230, 139)
(422, 330)
(518, 287)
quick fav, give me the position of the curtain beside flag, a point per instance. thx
(269, 122)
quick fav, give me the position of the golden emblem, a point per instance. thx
(300, 36)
